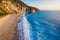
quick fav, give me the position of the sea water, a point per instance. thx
(42, 25)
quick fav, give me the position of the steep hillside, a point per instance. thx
(15, 6)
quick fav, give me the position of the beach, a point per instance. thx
(8, 26)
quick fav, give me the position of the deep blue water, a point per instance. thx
(43, 25)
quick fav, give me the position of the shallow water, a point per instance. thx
(43, 25)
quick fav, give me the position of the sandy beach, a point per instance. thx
(7, 26)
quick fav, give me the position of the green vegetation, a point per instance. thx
(2, 14)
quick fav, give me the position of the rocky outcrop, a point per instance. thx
(33, 9)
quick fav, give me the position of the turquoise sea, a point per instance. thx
(42, 25)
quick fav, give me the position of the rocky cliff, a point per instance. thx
(15, 6)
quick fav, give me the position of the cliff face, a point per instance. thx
(15, 6)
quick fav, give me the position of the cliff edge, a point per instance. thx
(15, 6)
